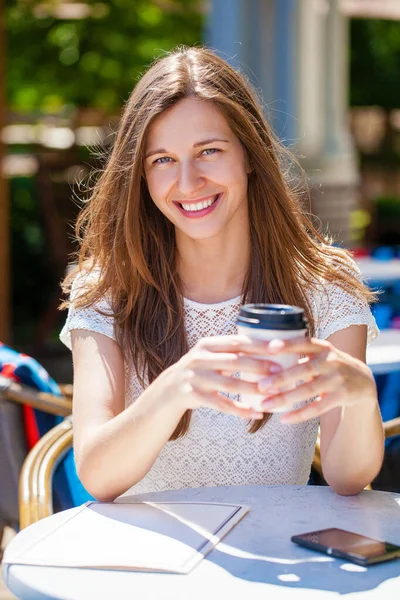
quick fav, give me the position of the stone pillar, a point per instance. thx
(259, 37)
(325, 143)
(225, 29)
(284, 104)
(241, 31)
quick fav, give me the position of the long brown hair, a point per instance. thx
(128, 240)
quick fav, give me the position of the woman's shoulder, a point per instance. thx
(93, 315)
(339, 298)
(83, 279)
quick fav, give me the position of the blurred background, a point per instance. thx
(329, 74)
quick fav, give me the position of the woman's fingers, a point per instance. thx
(304, 371)
(232, 363)
(234, 343)
(315, 409)
(320, 386)
(217, 402)
(209, 381)
(243, 344)
(237, 408)
(214, 359)
(299, 345)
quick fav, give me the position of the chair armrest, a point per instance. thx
(317, 457)
(35, 484)
(22, 394)
(66, 390)
(392, 427)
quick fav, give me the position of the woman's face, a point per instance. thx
(196, 169)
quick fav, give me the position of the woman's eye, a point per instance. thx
(162, 160)
(209, 151)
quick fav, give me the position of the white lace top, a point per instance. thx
(218, 450)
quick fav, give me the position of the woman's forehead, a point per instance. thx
(189, 119)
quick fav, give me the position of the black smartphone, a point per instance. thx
(353, 547)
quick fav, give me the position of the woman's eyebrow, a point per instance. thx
(209, 141)
(196, 145)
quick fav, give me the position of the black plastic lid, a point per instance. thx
(272, 316)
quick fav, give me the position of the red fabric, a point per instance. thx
(30, 425)
(31, 428)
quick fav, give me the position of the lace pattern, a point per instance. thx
(218, 450)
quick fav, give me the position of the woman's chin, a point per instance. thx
(198, 233)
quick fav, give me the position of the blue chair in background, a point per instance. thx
(384, 253)
(23, 381)
(383, 315)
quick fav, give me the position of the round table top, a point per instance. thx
(383, 355)
(255, 560)
(379, 271)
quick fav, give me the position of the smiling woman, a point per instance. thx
(191, 217)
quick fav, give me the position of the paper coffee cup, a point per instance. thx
(270, 322)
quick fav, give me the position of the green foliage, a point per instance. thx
(54, 66)
(388, 207)
(95, 61)
(359, 220)
(375, 63)
(31, 273)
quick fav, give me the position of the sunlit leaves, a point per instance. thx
(149, 14)
(93, 61)
(375, 63)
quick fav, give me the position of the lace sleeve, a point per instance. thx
(87, 318)
(338, 309)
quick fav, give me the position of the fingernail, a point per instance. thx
(275, 368)
(276, 345)
(266, 385)
(268, 403)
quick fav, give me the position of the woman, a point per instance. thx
(190, 218)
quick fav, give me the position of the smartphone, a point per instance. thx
(353, 547)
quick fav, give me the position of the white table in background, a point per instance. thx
(380, 271)
(256, 560)
(383, 354)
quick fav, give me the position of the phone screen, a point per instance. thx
(347, 543)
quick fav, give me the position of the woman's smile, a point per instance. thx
(195, 209)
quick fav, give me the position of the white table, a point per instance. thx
(380, 271)
(383, 354)
(256, 560)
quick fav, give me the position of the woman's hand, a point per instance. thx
(207, 369)
(333, 377)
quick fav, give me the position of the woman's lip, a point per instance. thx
(196, 214)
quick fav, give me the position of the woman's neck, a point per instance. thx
(213, 270)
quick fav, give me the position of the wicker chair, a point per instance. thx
(391, 428)
(13, 449)
(35, 489)
(36, 475)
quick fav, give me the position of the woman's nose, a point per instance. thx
(189, 178)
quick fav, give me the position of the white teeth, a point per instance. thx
(199, 205)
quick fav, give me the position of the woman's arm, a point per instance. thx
(334, 373)
(115, 447)
(352, 438)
